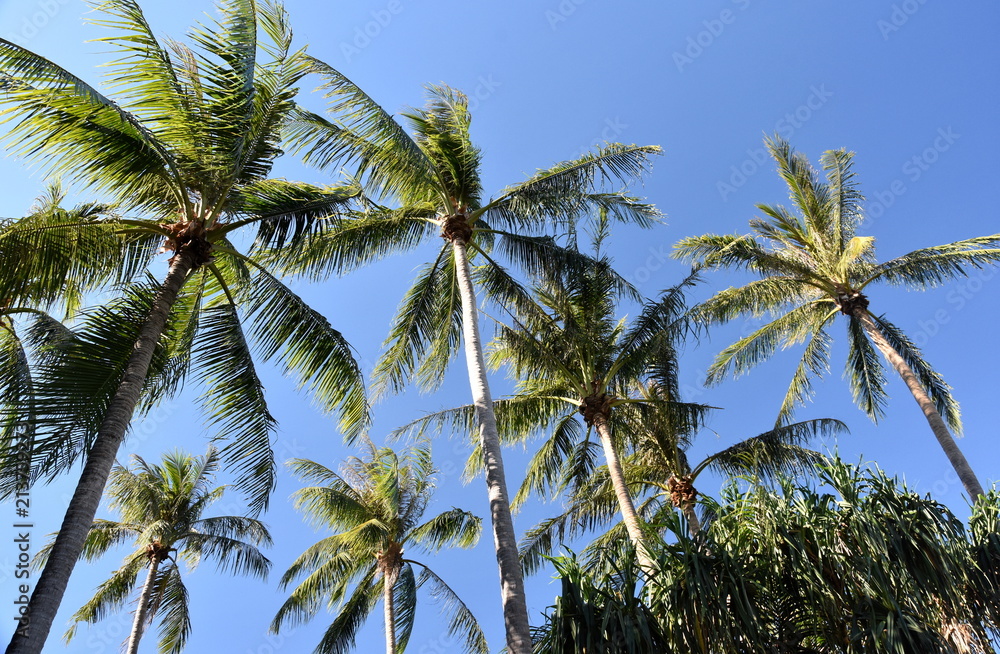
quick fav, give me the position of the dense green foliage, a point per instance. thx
(854, 563)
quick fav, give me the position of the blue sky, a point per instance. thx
(911, 86)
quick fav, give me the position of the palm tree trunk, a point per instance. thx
(625, 504)
(938, 426)
(139, 623)
(388, 582)
(515, 608)
(82, 508)
(694, 524)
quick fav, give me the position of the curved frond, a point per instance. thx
(235, 404)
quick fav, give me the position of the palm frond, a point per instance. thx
(934, 266)
(284, 327)
(235, 404)
(425, 332)
(287, 213)
(864, 372)
(776, 452)
(560, 195)
(174, 612)
(65, 124)
(455, 527)
(340, 636)
(933, 384)
(461, 622)
(364, 132)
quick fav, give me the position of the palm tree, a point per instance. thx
(375, 506)
(162, 508)
(188, 143)
(433, 175)
(49, 265)
(661, 464)
(813, 266)
(571, 353)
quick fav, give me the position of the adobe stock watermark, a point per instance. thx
(912, 169)
(611, 129)
(696, 45)
(957, 299)
(562, 12)
(371, 30)
(35, 20)
(786, 128)
(22, 530)
(899, 16)
(485, 88)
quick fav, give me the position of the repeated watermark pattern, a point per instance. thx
(899, 16)
(365, 34)
(562, 12)
(912, 169)
(611, 129)
(957, 298)
(35, 20)
(697, 44)
(786, 127)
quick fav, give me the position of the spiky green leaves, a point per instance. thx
(375, 505)
(808, 260)
(166, 503)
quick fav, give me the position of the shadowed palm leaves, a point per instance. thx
(188, 143)
(375, 506)
(49, 263)
(859, 565)
(162, 508)
(660, 477)
(813, 266)
(433, 176)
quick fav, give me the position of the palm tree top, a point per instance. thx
(162, 509)
(375, 507)
(816, 247)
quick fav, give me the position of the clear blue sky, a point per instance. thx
(911, 86)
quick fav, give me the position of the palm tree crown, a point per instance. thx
(188, 144)
(433, 176)
(162, 508)
(813, 266)
(376, 508)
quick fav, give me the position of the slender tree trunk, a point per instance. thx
(629, 516)
(82, 508)
(694, 524)
(389, 580)
(139, 623)
(515, 608)
(938, 426)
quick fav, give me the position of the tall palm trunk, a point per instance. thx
(938, 426)
(515, 608)
(82, 508)
(682, 495)
(625, 504)
(141, 611)
(389, 606)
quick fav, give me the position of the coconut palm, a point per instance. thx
(813, 266)
(162, 508)
(660, 478)
(49, 265)
(376, 508)
(572, 356)
(432, 175)
(661, 464)
(188, 145)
